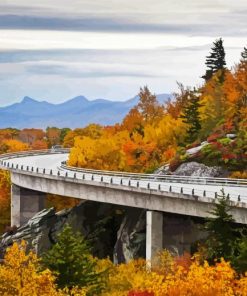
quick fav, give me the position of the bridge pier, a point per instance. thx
(25, 203)
(154, 234)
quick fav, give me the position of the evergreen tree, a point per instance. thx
(244, 55)
(240, 263)
(71, 261)
(191, 116)
(222, 237)
(216, 60)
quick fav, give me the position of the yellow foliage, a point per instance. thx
(13, 146)
(20, 275)
(169, 278)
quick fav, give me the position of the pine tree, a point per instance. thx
(244, 54)
(222, 237)
(216, 60)
(71, 261)
(191, 116)
(240, 263)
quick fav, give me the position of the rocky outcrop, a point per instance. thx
(41, 231)
(108, 228)
(131, 237)
(198, 169)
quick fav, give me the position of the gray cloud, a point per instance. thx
(103, 24)
(116, 74)
(83, 72)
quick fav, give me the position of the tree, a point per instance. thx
(133, 121)
(240, 263)
(149, 107)
(244, 54)
(63, 133)
(20, 274)
(216, 60)
(5, 184)
(191, 116)
(53, 136)
(222, 237)
(71, 261)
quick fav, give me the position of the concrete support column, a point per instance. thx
(154, 234)
(25, 203)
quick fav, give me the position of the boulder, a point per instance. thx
(198, 170)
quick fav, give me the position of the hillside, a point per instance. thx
(77, 112)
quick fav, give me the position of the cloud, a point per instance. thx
(56, 50)
(194, 17)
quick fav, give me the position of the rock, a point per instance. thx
(163, 170)
(131, 237)
(98, 222)
(195, 150)
(198, 170)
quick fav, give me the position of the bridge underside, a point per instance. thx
(176, 233)
(147, 199)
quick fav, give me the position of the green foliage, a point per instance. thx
(244, 54)
(71, 261)
(63, 133)
(216, 60)
(224, 141)
(191, 116)
(221, 241)
(240, 262)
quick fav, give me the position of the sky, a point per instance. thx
(55, 50)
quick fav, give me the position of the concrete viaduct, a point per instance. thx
(35, 173)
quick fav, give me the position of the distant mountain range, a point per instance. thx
(77, 112)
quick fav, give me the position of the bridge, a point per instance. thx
(36, 173)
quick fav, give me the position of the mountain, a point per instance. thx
(77, 112)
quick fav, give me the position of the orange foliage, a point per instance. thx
(4, 199)
(175, 277)
(13, 146)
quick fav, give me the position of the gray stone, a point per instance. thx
(198, 170)
(131, 237)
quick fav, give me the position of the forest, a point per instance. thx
(149, 136)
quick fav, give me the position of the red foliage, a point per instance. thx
(174, 164)
(184, 261)
(213, 138)
(138, 293)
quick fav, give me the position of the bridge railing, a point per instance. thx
(170, 178)
(26, 153)
(148, 181)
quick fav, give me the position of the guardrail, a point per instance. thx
(147, 181)
(170, 178)
(26, 153)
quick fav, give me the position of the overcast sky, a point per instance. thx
(56, 49)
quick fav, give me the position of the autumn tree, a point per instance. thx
(175, 106)
(13, 146)
(4, 199)
(216, 60)
(133, 121)
(20, 274)
(31, 135)
(53, 136)
(149, 107)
